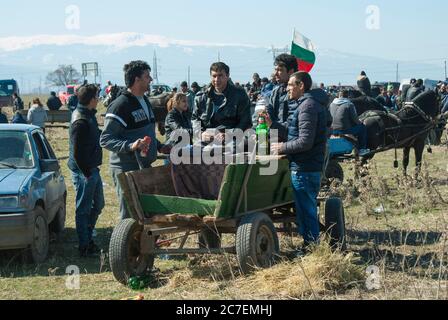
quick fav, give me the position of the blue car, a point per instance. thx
(32, 191)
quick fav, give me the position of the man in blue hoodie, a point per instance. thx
(346, 120)
(305, 146)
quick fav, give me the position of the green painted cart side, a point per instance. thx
(244, 189)
(252, 205)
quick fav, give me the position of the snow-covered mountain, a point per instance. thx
(29, 60)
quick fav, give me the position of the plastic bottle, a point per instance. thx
(262, 132)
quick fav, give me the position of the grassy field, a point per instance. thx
(399, 225)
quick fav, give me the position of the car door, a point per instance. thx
(47, 180)
(58, 177)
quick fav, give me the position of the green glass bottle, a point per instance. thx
(262, 132)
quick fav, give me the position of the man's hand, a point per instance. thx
(276, 148)
(140, 145)
(220, 137)
(207, 136)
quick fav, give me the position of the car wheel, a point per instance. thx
(38, 250)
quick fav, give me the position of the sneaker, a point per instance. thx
(364, 152)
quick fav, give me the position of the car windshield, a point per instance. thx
(6, 89)
(15, 150)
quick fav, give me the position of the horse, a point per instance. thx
(364, 103)
(405, 129)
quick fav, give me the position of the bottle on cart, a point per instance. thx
(262, 132)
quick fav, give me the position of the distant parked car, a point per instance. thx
(158, 89)
(32, 191)
(7, 89)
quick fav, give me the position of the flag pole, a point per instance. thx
(293, 35)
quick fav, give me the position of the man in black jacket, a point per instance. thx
(415, 90)
(285, 66)
(305, 147)
(85, 159)
(54, 103)
(223, 106)
(18, 102)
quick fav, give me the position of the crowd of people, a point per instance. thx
(304, 117)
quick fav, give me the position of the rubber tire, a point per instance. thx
(209, 239)
(334, 171)
(121, 239)
(34, 254)
(58, 224)
(335, 223)
(246, 242)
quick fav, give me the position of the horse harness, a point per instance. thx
(394, 132)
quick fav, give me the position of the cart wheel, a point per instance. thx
(257, 243)
(209, 238)
(334, 171)
(125, 257)
(335, 223)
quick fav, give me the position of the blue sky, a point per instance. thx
(409, 29)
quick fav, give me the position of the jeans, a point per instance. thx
(360, 131)
(89, 204)
(124, 211)
(306, 188)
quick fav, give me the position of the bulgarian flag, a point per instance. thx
(303, 49)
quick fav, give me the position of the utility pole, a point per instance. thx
(276, 51)
(219, 56)
(446, 76)
(189, 76)
(396, 80)
(71, 74)
(156, 73)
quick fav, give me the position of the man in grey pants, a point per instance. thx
(129, 119)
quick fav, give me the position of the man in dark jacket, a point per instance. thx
(223, 106)
(54, 103)
(346, 120)
(129, 119)
(444, 97)
(18, 119)
(415, 90)
(73, 100)
(17, 102)
(285, 66)
(85, 158)
(364, 84)
(305, 147)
